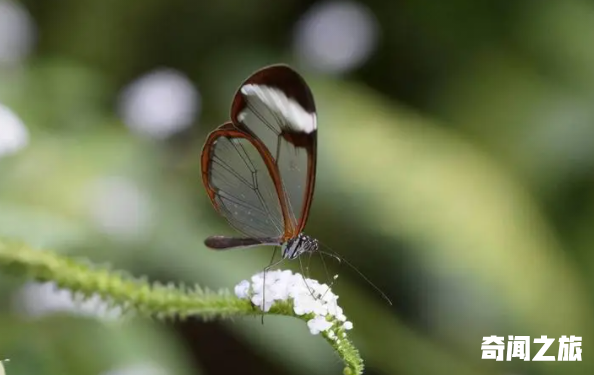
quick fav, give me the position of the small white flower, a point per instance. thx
(308, 297)
(318, 324)
(242, 289)
(257, 300)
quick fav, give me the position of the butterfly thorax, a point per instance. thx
(299, 245)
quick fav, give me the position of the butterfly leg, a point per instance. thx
(330, 282)
(266, 269)
(311, 292)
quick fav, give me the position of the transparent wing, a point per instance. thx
(276, 107)
(240, 185)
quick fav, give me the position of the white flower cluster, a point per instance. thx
(308, 296)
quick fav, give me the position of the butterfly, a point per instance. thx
(259, 169)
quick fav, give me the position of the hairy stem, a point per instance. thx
(138, 296)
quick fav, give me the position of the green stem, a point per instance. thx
(144, 298)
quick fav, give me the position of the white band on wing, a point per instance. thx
(298, 119)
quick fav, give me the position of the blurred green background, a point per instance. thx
(456, 158)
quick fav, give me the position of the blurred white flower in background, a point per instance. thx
(16, 33)
(160, 104)
(40, 299)
(137, 369)
(120, 208)
(336, 37)
(13, 133)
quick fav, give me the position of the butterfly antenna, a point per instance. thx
(341, 259)
(331, 283)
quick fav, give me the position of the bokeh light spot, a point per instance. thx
(13, 133)
(160, 104)
(16, 33)
(336, 37)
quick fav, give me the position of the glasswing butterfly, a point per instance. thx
(259, 169)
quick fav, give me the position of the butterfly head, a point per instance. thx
(299, 245)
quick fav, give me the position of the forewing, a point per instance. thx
(237, 173)
(276, 106)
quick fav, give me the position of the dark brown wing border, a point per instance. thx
(283, 77)
(228, 130)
